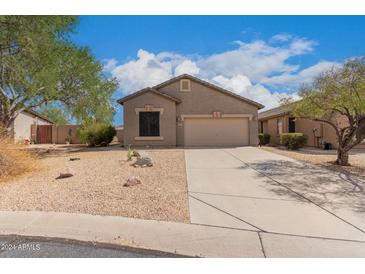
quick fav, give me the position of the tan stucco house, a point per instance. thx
(278, 120)
(21, 127)
(187, 111)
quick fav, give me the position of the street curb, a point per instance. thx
(176, 238)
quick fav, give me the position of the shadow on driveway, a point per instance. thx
(323, 187)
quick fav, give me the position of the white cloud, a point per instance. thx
(238, 83)
(281, 37)
(110, 65)
(256, 60)
(304, 76)
(187, 66)
(147, 70)
(301, 46)
(252, 69)
(242, 86)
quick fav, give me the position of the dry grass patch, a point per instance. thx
(14, 159)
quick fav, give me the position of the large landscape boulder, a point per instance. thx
(143, 160)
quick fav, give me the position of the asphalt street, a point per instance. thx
(37, 247)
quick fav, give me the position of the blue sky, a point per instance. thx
(260, 57)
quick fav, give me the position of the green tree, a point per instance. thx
(57, 115)
(337, 98)
(39, 64)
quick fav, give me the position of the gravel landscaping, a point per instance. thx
(97, 185)
(324, 158)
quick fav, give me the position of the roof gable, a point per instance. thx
(210, 85)
(145, 90)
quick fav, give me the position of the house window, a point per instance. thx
(279, 126)
(149, 123)
(185, 85)
(291, 124)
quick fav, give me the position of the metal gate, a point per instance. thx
(44, 134)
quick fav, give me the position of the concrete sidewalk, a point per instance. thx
(179, 238)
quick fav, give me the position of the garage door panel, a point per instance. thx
(210, 131)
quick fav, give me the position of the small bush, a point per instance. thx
(264, 138)
(131, 153)
(97, 134)
(293, 141)
(14, 158)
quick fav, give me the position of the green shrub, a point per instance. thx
(264, 138)
(97, 134)
(293, 140)
(131, 153)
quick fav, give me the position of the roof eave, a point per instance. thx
(258, 105)
(273, 116)
(39, 115)
(145, 90)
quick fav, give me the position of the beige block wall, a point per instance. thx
(205, 100)
(167, 120)
(272, 130)
(323, 131)
(120, 135)
(306, 127)
(61, 133)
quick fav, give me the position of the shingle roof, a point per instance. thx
(230, 93)
(145, 90)
(278, 111)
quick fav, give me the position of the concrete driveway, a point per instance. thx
(281, 199)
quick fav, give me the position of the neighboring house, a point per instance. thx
(37, 128)
(278, 120)
(187, 111)
(21, 127)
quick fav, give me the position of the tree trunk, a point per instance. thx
(342, 157)
(7, 120)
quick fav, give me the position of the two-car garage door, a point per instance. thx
(216, 132)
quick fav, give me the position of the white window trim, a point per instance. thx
(181, 85)
(148, 138)
(249, 116)
(138, 110)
